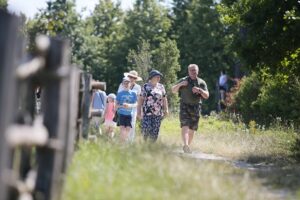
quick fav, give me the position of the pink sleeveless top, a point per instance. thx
(110, 113)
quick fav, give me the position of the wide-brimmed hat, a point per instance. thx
(153, 73)
(133, 74)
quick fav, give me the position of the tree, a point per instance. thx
(106, 19)
(106, 23)
(58, 19)
(200, 38)
(141, 60)
(3, 4)
(266, 30)
(88, 49)
(265, 36)
(147, 21)
(166, 60)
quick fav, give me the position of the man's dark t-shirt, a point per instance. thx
(186, 94)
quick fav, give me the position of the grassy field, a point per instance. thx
(106, 170)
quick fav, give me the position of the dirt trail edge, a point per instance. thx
(280, 193)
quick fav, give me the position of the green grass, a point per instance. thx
(235, 141)
(106, 170)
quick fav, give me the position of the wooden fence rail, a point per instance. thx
(36, 147)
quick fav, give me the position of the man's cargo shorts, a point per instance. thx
(189, 115)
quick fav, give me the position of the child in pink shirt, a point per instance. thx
(109, 114)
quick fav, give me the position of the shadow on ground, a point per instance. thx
(281, 175)
(277, 173)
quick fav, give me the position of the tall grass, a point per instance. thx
(235, 141)
(106, 170)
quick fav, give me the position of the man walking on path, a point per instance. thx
(192, 90)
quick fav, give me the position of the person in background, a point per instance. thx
(223, 84)
(152, 106)
(126, 101)
(109, 114)
(223, 90)
(98, 103)
(192, 90)
(134, 87)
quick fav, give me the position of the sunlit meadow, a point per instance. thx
(108, 170)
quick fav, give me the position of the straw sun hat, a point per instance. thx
(133, 74)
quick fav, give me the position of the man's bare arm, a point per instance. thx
(175, 88)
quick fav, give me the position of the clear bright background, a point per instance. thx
(30, 7)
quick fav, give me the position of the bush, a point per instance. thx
(244, 99)
(266, 99)
(279, 98)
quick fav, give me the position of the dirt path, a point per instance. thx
(260, 169)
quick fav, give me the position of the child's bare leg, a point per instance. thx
(107, 130)
(124, 133)
(111, 132)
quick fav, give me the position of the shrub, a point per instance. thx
(264, 99)
(244, 99)
(279, 97)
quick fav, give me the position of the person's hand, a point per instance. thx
(196, 90)
(183, 83)
(125, 105)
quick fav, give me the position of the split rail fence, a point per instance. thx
(44, 112)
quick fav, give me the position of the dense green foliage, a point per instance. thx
(58, 20)
(259, 36)
(200, 38)
(269, 98)
(106, 23)
(246, 96)
(266, 30)
(166, 61)
(265, 36)
(3, 4)
(164, 58)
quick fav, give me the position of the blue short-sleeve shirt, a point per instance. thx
(126, 97)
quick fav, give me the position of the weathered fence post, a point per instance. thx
(86, 100)
(8, 64)
(55, 107)
(47, 138)
(74, 87)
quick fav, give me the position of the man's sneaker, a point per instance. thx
(186, 149)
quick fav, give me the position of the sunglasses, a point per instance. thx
(132, 77)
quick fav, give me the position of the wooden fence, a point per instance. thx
(36, 145)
